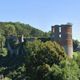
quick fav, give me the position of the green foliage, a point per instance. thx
(75, 44)
(9, 29)
(47, 61)
(2, 41)
(70, 70)
(42, 60)
(6, 78)
(67, 70)
(3, 50)
(55, 74)
(77, 58)
(17, 28)
(48, 52)
(41, 56)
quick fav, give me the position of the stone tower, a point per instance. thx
(63, 35)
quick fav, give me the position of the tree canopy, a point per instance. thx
(36, 60)
(17, 28)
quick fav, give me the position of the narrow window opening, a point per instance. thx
(53, 29)
(59, 35)
(59, 29)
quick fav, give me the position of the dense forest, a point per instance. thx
(17, 28)
(34, 60)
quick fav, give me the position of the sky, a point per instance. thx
(42, 14)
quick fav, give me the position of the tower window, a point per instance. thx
(59, 35)
(59, 29)
(53, 29)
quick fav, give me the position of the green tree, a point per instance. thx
(39, 54)
(48, 52)
(75, 44)
(3, 50)
(9, 29)
(70, 70)
(67, 70)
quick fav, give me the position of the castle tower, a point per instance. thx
(63, 35)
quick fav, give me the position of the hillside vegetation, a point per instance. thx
(34, 60)
(17, 28)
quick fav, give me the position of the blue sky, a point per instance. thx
(42, 14)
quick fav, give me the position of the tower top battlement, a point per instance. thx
(63, 25)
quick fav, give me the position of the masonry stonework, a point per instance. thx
(63, 35)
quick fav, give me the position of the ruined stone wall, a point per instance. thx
(63, 35)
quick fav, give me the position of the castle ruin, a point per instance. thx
(63, 35)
